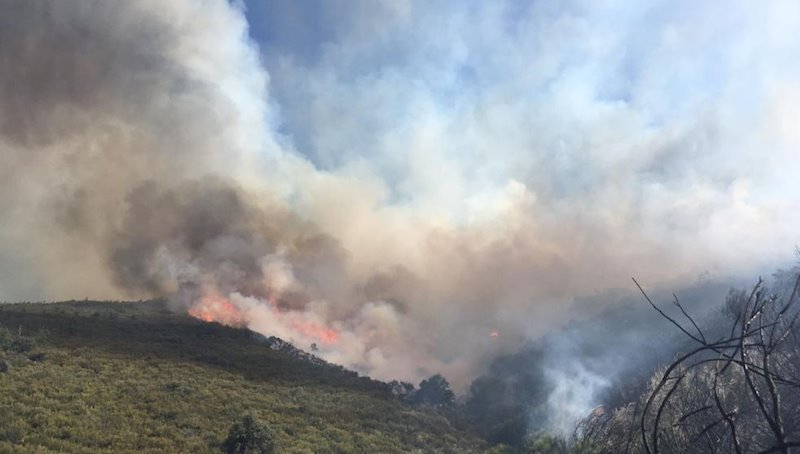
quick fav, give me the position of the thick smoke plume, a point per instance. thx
(153, 149)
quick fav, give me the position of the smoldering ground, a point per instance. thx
(155, 149)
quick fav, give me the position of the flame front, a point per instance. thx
(314, 330)
(213, 307)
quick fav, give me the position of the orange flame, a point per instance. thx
(317, 331)
(214, 308)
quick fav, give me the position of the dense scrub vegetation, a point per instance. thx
(132, 377)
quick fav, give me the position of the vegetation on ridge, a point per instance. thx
(125, 377)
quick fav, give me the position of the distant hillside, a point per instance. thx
(133, 377)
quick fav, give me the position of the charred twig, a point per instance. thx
(676, 302)
(692, 413)
(663, 314)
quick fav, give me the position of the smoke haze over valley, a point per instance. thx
(412, 187)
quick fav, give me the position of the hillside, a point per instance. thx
(133, 377)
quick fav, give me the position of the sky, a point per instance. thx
(674, 120)
(395, 180)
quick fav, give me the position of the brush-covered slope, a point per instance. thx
(132, 377)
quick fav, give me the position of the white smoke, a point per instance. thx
(576, 392)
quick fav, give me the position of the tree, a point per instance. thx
(248, 435)
(435, 391)
(735, 388)
(503, 402)
(402, 390)
(736, 393)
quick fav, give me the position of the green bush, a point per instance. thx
(249, 435)
(6, 338)
(18, 344)
(544, 443)
(22, 344)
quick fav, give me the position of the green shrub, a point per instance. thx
(249, 435)
(6, 338)
(544, 443)
(22, 344)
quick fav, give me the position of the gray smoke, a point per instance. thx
(99, 101)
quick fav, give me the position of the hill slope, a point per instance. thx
(119, 377)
